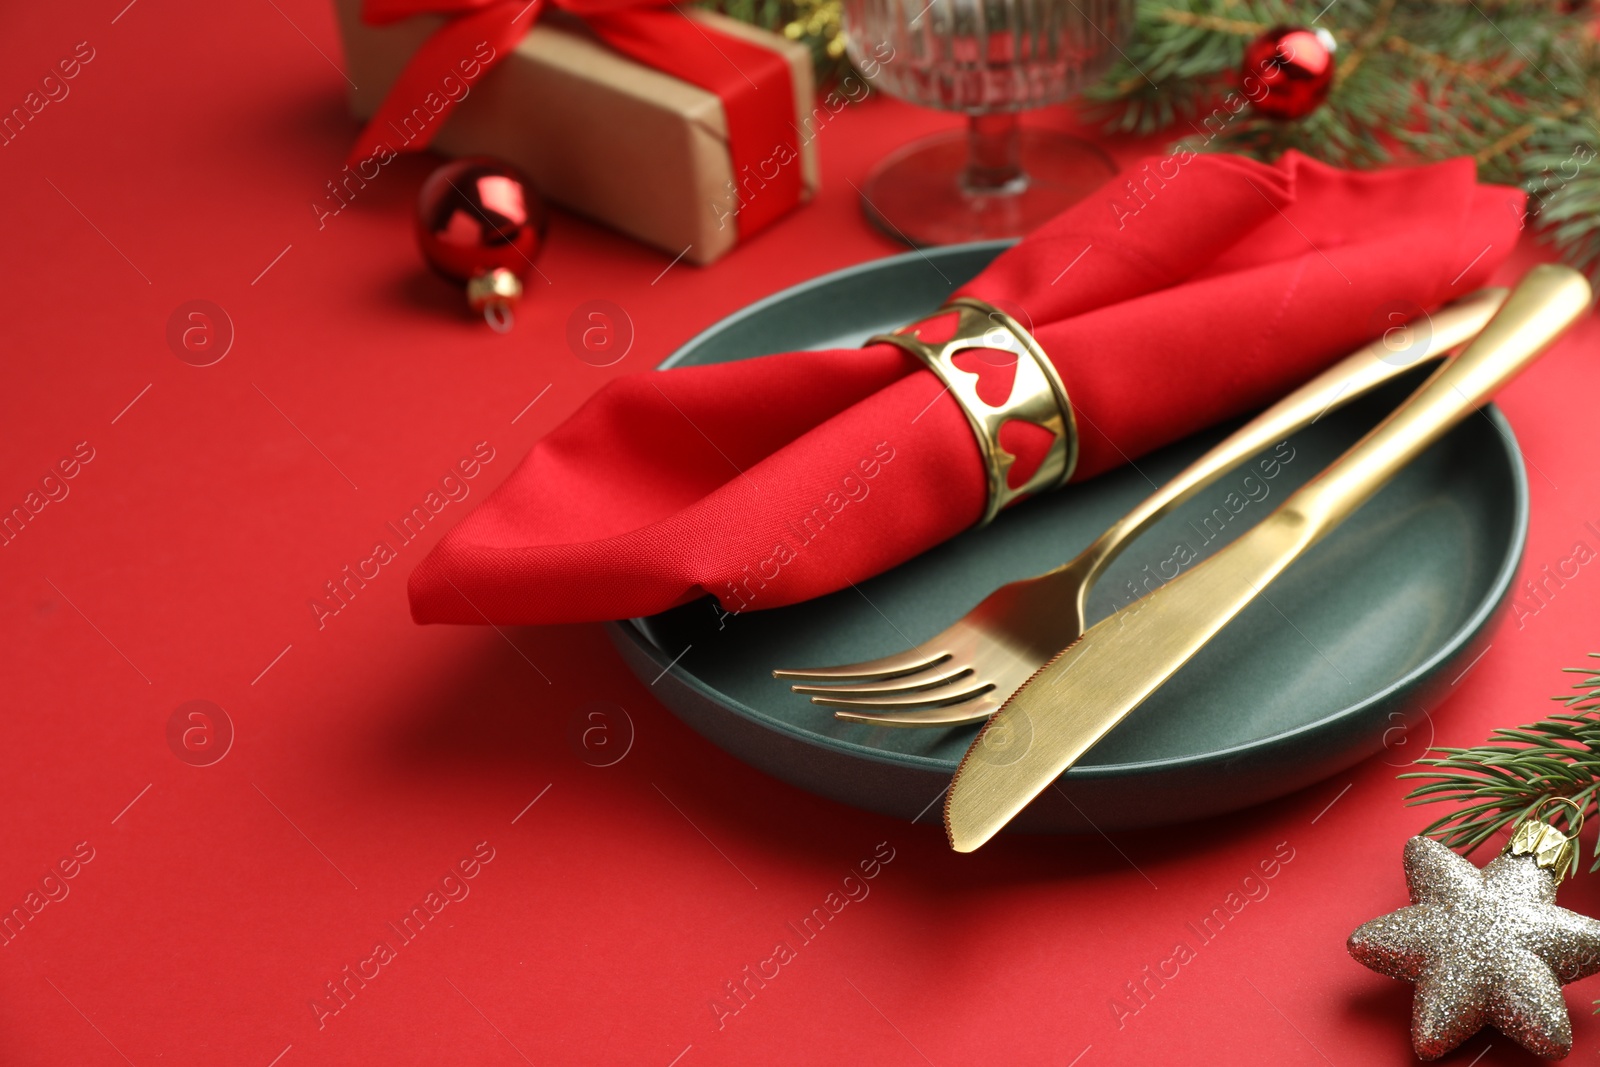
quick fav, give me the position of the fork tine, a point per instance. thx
(949, 694)
(908, 662)
(900, 684)
(969, 711)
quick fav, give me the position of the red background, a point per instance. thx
(373, 755)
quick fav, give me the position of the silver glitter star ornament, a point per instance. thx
(1485, 947)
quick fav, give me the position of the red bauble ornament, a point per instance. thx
(479, 221)
(1288, 71)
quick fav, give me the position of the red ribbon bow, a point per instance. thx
(754, 83)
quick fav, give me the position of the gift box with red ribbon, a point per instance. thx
(679, 127)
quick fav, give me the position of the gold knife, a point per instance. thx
(1074, 700)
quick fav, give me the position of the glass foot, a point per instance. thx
(937, 191)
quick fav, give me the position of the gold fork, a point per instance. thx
(965, 673)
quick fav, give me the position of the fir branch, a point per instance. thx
(1500, 783)
(1511, 83)
(1213, 22)
(814, 23)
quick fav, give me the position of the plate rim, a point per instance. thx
(881, 263)
(635, 631)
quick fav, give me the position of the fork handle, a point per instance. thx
(1358, 373)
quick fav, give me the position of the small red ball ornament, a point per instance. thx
(479, 221)
(1288, 71)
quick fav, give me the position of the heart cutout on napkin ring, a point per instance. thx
(1038, 396)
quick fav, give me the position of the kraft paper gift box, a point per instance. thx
(597, 132)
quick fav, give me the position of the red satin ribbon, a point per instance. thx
(754, 83)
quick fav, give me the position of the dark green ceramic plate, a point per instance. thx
(1358, 642)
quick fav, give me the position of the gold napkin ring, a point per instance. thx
(1037, 395)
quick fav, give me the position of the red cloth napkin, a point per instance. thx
(1215, 288)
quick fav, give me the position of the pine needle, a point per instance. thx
(1500, 783)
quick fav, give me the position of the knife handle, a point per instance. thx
(1547, 300)
(1358, 373)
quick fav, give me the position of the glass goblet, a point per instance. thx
(991, 60)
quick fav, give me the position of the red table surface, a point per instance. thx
(373, 756)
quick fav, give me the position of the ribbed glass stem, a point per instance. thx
(994, 160)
